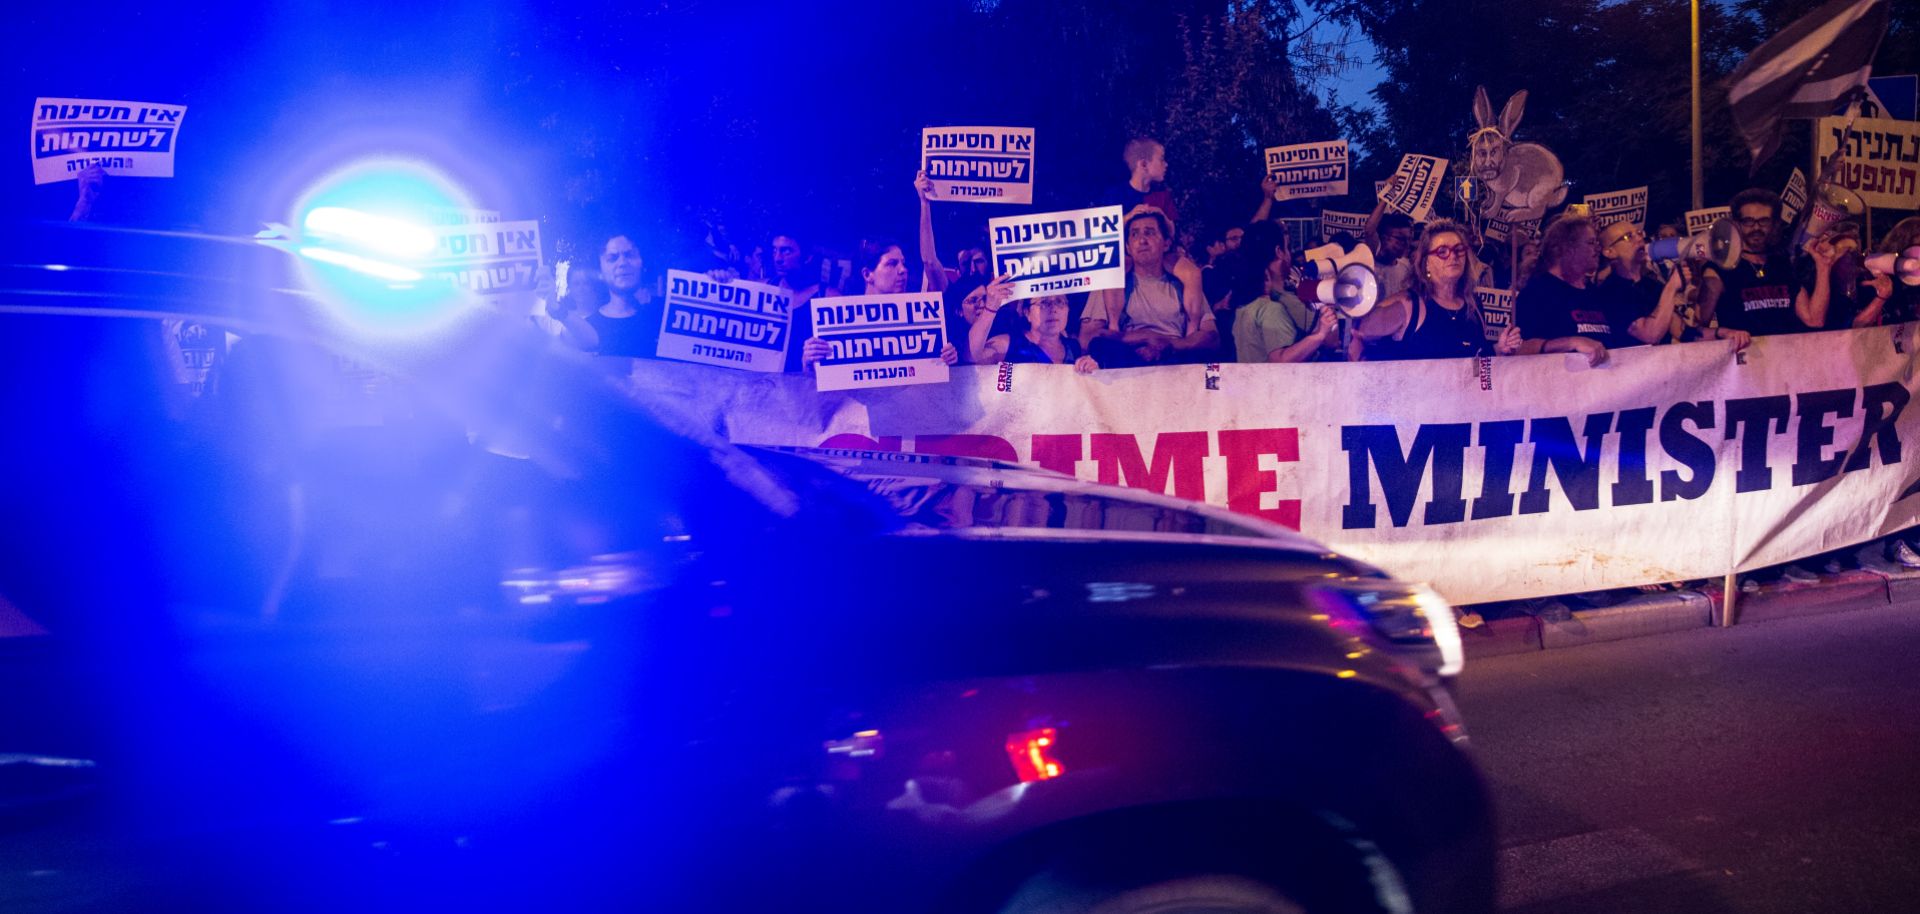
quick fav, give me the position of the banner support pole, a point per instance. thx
(1729, 594)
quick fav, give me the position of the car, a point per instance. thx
(440, 618)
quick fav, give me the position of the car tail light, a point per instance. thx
(1031, 752)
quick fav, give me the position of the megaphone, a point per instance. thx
(1718, 245)
(1352, 291)
(1832, 204)
(1905, 265)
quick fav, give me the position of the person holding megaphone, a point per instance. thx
(1761, 293)
(1436, 317)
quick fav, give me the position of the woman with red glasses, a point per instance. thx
(1436, 317)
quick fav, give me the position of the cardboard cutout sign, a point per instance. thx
(979, 164)
(881, 340)
(736, 324)
(1308, 170)
(1418, 182)
(1882, 161)
(1699, 220)
(1628, 205)
(1076, 250)
(499, 261)
(1793, 197)
(1496, 310)
(70, 135)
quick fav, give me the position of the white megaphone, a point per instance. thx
(1905, 265)
(1345, 281)
(1832, 204)
(1718, 245)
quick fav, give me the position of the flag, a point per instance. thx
(1803, 70)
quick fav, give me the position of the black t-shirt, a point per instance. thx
(1760, 299)
(1550, 308)
(637, 336)
(1631, 301)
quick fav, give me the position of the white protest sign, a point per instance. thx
(1379, 189)
(1793, 197)
(1882, 160)
(1496, 310)
(1308, 170)
(979, 164)
(70, 135)
(1502, 231)
(1699, 220)
(499, 261)
(881, 340)
(1076, 250)
(1417, 182)
(736, 324)
(1333, 222)
(1628, 205)
(460, 215)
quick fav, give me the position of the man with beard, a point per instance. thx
(1762, 294)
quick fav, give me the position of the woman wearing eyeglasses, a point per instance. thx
(1436, 317)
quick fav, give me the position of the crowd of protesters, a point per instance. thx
(1243, 294)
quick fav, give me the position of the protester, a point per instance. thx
(1857, 297)
(627, 322)
(1436, 317)
(1632, 297)
(1159, 317)
(1903, 304)
(1044, 341)
(1762, 294)
(1557, 310)
(1146, 162)
(1278, 326)
(973, 262)
(1390, 235)
(968, 298)
(883, 271)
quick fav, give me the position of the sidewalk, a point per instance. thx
(1551, 623)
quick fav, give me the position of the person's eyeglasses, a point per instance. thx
(1762, 222)
(1453, 252)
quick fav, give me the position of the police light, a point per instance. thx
(370, 232)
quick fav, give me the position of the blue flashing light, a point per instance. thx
(362, 264)
(371, 232)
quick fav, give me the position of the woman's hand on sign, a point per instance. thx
(1085, 365)
(949, 354)
(923, 185)
(1741, 338)
(999, 291)
(1268, 185)
(1509, 341)
(813, 352)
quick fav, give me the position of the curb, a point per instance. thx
(1550, 625)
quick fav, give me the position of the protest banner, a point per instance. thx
(1503, 478)
(1308, 170)
(979, 164)
(70, 135)
(736, 324)
(1699, 220)
(881, 340)
(1628, 205)
(1076, 250)
(1502, 231)
(1418, 182)
(498, 261)
(1881, 161)
(1496, 310)
(1793, 197)
(1333, 222)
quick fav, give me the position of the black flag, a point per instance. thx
(1805, 69)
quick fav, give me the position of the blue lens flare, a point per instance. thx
(368, 250)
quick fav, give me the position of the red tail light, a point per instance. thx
(1031, 752)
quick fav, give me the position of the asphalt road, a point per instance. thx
(1773, 766)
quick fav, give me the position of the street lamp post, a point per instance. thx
(1699, 193)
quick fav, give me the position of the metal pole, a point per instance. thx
(1699, 188)
(1729, 592)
